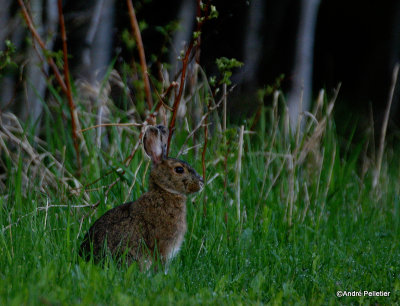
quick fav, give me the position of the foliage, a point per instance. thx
(6, 55)
(270, 89)
(343, 234)
(225, 66)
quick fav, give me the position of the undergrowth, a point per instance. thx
(306, 224)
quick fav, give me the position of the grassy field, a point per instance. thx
(306, 224)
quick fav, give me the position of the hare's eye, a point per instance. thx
(179, 170)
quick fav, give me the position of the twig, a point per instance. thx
(256, 117)
(384, 126)
(126, 162)
(139, 42)
(224, 109)
(94, 206)
(185, 62)
(186, 150)
(198, 126)
(162, 97)
(47, 209)
(134, 180)
(179, 95)
(16, 222)
(63, 206)
(68, 84)
(167, 92)
(202, 121)
(111, 124)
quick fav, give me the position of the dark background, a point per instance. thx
(357, 44)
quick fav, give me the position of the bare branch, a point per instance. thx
(199, 125)
(185, 62)
(111, 124)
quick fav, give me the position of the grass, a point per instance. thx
(311, 224)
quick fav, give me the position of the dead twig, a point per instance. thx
(179, 95)
(185, 62)
(110, 124)
(95, 205)
(45, 208)
(17, 221)
(201, 123)
(162, 97)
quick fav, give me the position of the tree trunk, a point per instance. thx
(36, 80)
(187, 15)
(4, 20)
(6, 82)
(253, 43)
(299, 97)
(97, 58)
(395, 55)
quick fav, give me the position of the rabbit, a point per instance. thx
(155, 224)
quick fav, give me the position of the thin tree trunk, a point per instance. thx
(4, 20)
(395, 54)
(96, 54)
(90, 36)
(8, 83)
(253, 42)
(187, 15)
(36, 80)
(299, 98)
(101, 50)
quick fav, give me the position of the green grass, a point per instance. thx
(344, 235)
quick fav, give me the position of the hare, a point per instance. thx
(155, 224)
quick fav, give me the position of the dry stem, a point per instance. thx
(111, 124)
(239, 171)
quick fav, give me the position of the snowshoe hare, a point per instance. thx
(155, 224)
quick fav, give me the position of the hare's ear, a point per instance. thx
(164, 139)
(153, 145)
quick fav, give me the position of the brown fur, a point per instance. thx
(156, 222)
